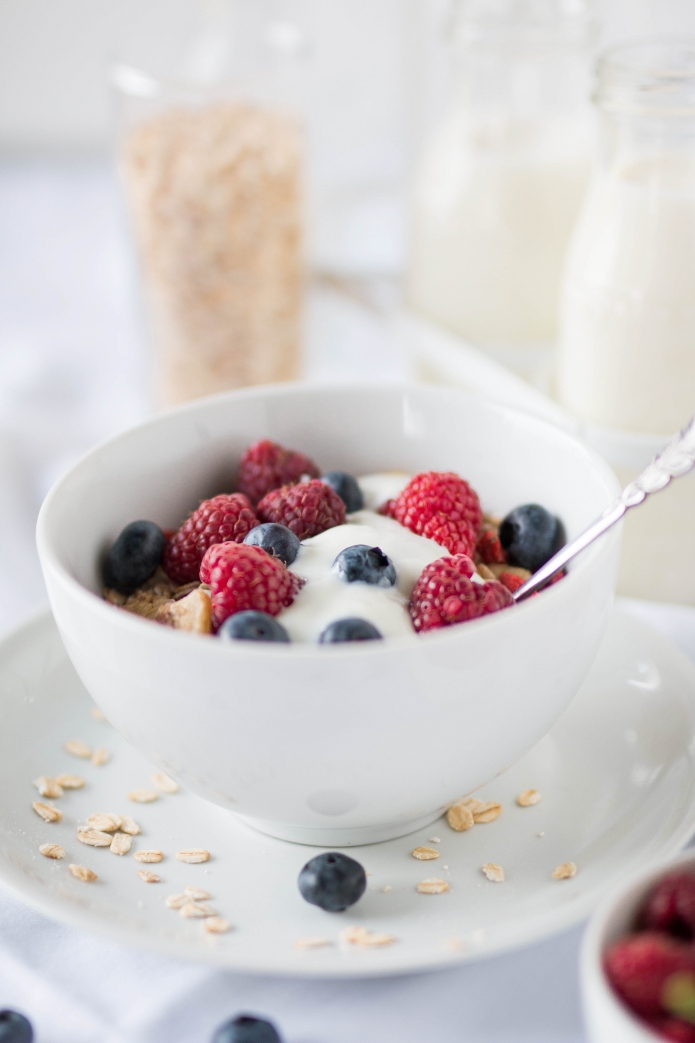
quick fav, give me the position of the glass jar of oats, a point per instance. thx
(211, 154)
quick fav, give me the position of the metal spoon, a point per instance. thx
(677, 459)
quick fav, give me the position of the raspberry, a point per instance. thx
(441, 506)
(307, 509)
(224, 518)
(675, 1029)
(245, 577)
(638, 967)
(670, 905)
(266, 466)
(490, 549)
(445, 594)
(511, 581)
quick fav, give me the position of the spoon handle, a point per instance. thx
(677, 459)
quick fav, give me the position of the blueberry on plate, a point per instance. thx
(332, 881)
(251, 625)
(347, 489)
(276, 539)
(531, 535)
(15, 1028)
(352, 629)
(134, 556)
(363, 564)
(246, 1028)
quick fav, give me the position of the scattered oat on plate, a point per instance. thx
(433, 885)
(149, 878)
(311, 943)
(164, 783)
(486, 811)
(216, 925)
(493, 872)
(528, 798)
(46, 811)
(564, 872)
(197, 894)
(149, 856)
(193, 855)
(196, 910)
(425, 853)
(70, 781)
(177, 901)
(94, 838)
(101, 756)
(83, 873)
(78, 748)
(48, 787)
(129, 826)
(366, 939)
(143, 796)
(105, 822)
(120, 845)
(460, 817)
(52, 851)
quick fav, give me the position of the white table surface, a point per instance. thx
(72, 371)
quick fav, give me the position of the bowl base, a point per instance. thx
(332, 836)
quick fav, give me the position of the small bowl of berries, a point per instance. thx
(638, 959)
(298, 601)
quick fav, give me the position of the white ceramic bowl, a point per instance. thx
(607, 1018)
(331, 745)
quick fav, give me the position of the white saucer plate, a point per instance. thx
(616, 776)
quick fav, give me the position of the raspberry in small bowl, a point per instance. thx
(638, 959)
(317, 741)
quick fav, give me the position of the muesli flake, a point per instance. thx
(433, 885)
(193, 855)
(149, 856)
(143, 796)
(83, 873)
(148, 877)
(52, 850)
(77, 748)
(164, 783)
(528, 798)
(46, 811)
(48, 787)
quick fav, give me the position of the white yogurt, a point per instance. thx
(325, 597)
(378, 488)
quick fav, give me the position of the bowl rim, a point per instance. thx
(629, 892)
(50, 560)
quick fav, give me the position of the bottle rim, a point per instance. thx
(647, 76)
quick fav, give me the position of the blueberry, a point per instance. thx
(531, 535)
(252, 626)
(134, 556)
(245, 1028)
(277, 540)
(15, 1028)
(363, 564)
(347, 489)
(332, 881)
(352, 629)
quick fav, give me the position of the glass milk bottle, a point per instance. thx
(502, 177)
(627, 353)
(626, 363)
